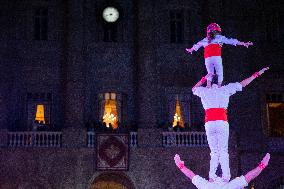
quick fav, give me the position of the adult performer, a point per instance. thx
(212, 44)
(215, 101)
(237, 183)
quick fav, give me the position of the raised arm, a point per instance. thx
(247, 81)
(182, 168)
(256, 171)
(203, 79)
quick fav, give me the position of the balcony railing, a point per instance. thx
(91, 139)
(190, 139)
(34, 139)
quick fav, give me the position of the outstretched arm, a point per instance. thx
(194, 47)
(231, 41)
(256, 171)
(247, 81)
(246, 44)
(203, 79)
(180, 165)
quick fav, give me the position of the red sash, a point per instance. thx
(215, 114)
(212, 50)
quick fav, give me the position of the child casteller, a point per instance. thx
(212, 44)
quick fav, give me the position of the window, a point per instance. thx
(39, 111)
(178, 118)
(176, 26)
(39, 117)
(41, 24)
(272, 33)
(178, 111)
(110, 113)
(110, 32)
(275, 114)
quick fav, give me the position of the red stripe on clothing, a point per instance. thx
(215, 114)
(212, 50)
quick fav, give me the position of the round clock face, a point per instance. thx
(110, 14)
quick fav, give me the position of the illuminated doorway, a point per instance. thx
(112, 181)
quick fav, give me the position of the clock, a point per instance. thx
(110, 14)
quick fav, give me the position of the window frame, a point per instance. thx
(40, 32)
(34, 99)
(267, 127)
(177, 32)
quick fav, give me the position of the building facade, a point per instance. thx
(77, 75)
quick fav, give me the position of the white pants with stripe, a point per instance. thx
(217, 136)
(215, 62)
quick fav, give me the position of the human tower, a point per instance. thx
(215, 100)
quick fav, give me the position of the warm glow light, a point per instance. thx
(40, 113)
(110, 113)
(178, 115)
(109, 184)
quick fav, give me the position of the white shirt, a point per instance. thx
(215, 97)
(219, 39)
(237, 183)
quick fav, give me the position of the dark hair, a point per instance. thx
(211, 35)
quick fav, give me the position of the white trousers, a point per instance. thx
(217, 136)
(214, 62)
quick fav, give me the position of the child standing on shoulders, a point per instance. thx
(212, 44)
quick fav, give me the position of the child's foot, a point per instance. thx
(211, 180)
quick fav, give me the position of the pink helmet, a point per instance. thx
(213, 27)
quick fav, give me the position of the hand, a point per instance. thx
(209, 75)
(265, 160)
(263, 70)
(178, 160)
(189, 50)
(247, 44)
